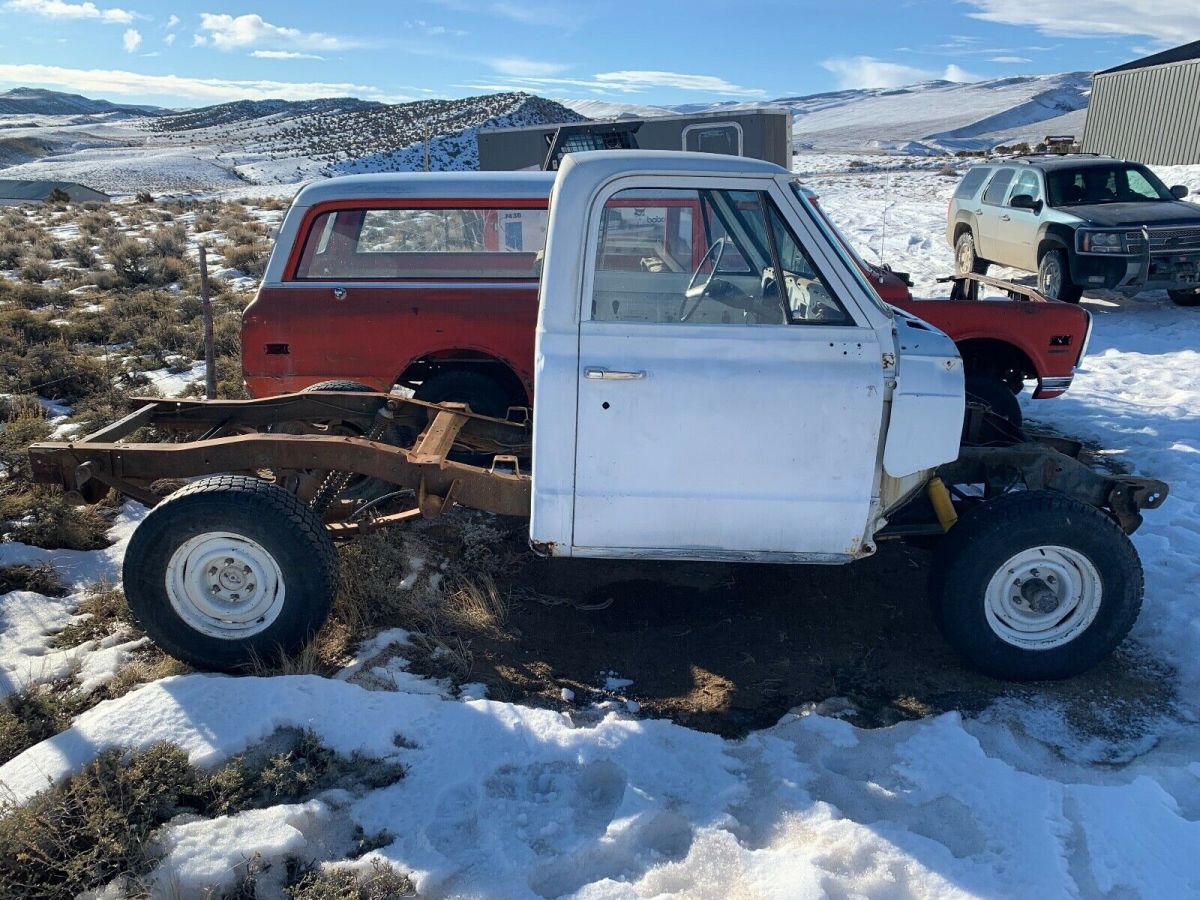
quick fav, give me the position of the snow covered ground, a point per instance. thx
(502, 800)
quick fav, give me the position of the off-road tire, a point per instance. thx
(1052, 263)
(989, 536)
(1185, 298)
(479, 392)
(997, 396)
(964, 245)
(346, 387)
(273, 518)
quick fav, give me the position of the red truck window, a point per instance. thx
(390, 244)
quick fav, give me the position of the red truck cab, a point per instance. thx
(430, 281)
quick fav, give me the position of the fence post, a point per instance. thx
(210, 361)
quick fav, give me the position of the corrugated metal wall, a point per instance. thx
(1147, 115)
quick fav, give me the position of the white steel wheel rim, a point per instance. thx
(225, 585)
(1075, 583)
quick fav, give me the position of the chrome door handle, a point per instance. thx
(1005, 218)
(979, 212)
(595, 373)
(339, 293)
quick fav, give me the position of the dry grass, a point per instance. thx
(99, 825)
(334, 883)
(41, 579)
(106, 613)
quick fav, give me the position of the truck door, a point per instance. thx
(729, 410)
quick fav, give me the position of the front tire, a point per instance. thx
(1034, 586)
(1185, 298)
(1054, 278)
(230, 572)
(993, 393)
(966, 259)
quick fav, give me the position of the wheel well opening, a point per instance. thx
(1047, 246)
(960, 229)
(996, 358)
(496, 370)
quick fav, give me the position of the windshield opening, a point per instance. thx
(1118, 183)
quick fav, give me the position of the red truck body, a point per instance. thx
(399, 315)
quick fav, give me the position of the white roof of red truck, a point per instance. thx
(398, 185)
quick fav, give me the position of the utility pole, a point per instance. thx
(426, 148)
(210, 361)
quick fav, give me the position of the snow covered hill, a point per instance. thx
(929, 117)
(38, 102)
(271, 142)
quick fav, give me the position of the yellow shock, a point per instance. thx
(943, 506)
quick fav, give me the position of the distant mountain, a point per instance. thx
(932, 116)
(275, 140)
(248, 110)
(25, 101)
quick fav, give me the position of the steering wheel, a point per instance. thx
(696, 293)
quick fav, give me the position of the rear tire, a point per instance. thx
(230, 572)
(1054, 278)
(1185, 298)
(966, 259)
(346, 387)
(478, 391)
(1035, 585)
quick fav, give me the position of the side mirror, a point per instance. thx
(1179, 191)
(1025, 201)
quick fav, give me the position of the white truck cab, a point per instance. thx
(703, 413)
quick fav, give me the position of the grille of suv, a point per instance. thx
(1166, 240)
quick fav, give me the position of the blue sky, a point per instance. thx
(636, 51)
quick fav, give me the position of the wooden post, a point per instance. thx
(210, 361)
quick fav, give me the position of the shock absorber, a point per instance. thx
(335, 482)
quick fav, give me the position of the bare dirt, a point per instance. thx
(731, 648)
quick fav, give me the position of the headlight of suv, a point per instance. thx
(1101, 242)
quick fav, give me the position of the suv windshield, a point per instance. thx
(1117, 183)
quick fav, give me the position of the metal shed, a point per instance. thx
(1148, 110)
(764, 133)
(13, 192)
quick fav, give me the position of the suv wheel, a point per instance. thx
(1185, 298)
(1054, 278)
(965, 257)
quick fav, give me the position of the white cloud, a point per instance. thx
(199, 40)
(284, 54)
(169, 39)
(172, 22)
(131, 40)
(242, 32)
(520, 67)
(639, 80)
(1010, 59)
(869, 72)
(104, 82)
(61, 9)
(1169, 21)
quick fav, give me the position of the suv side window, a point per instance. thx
(1029, 184)
(972, 181)
(998, 187)
(398, 243)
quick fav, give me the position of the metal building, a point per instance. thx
(1148, 110)
(764, 133)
